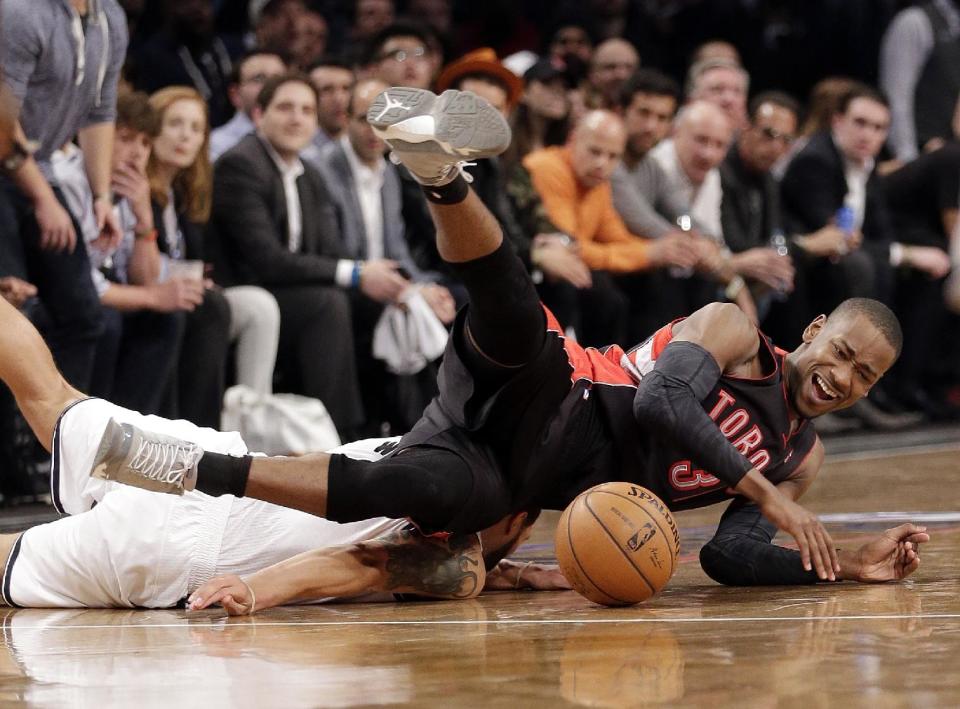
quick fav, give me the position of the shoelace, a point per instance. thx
(458, 165)
(159, 461)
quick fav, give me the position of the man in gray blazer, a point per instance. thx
(275, 225)
(365, 188)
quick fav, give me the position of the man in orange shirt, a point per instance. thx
(574, 183)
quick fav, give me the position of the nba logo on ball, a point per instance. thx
(617, 544)
(637, 541)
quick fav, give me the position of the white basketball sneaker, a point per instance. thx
(433, 136)
(151, 461)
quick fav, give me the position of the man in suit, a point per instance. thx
(275, 225)
(750, 204)
(835, 170)
(365, 188)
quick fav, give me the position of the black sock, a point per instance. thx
(219, 474)
(450, 193)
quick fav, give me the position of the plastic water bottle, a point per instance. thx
(778, 242)
(684, 224)
(844, 219)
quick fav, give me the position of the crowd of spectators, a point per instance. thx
(194, 198)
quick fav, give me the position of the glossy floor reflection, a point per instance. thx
(697, 644)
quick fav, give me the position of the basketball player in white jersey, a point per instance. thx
(124, 547)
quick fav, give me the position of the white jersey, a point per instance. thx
(125, 547)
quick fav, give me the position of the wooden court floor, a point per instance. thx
(696, 645)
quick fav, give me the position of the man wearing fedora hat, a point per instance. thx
(564, 280)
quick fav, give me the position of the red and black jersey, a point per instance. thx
(753, 414)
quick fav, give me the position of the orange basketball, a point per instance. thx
(617, 544)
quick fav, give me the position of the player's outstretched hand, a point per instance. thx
(817, 550)
(230, 591)
(892, 556)
(511, 575)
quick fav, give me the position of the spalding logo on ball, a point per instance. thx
(617, 544)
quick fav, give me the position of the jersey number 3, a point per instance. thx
(684, 477)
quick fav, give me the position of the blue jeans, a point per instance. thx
(136, 357)
(69, 315)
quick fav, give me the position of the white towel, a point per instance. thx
(408, 336)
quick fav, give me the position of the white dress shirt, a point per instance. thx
(289, 172)
(856, 199)
(368, 183)
(703, 200)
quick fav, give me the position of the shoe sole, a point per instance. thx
(463, 124)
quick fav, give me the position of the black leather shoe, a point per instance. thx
(933, 408)
(832, 424)
(886, 401)
(878, 420)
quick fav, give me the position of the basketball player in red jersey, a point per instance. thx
(706, 410)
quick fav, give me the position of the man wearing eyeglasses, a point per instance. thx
(750, 207)
(401, 55)
(250, 74)
(832, 182)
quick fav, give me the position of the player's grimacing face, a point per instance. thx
(841, 361)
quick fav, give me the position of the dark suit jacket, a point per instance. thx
(248, 225)
(750, 210)
(814, 187)
(338, 177)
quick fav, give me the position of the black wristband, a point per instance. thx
(450, 193)
(219, 474)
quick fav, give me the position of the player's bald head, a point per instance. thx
(596, 146)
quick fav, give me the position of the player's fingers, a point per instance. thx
(831, 549)
(816, 554)
(208, 599)
(904, 530)
(801, 540)
(911, 566)
(229, 605)
(233, 606)
(827, 552)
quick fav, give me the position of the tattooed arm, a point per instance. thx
(401, 562)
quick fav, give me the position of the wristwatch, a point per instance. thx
(18, 155)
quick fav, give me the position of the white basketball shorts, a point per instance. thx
(125, 547)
